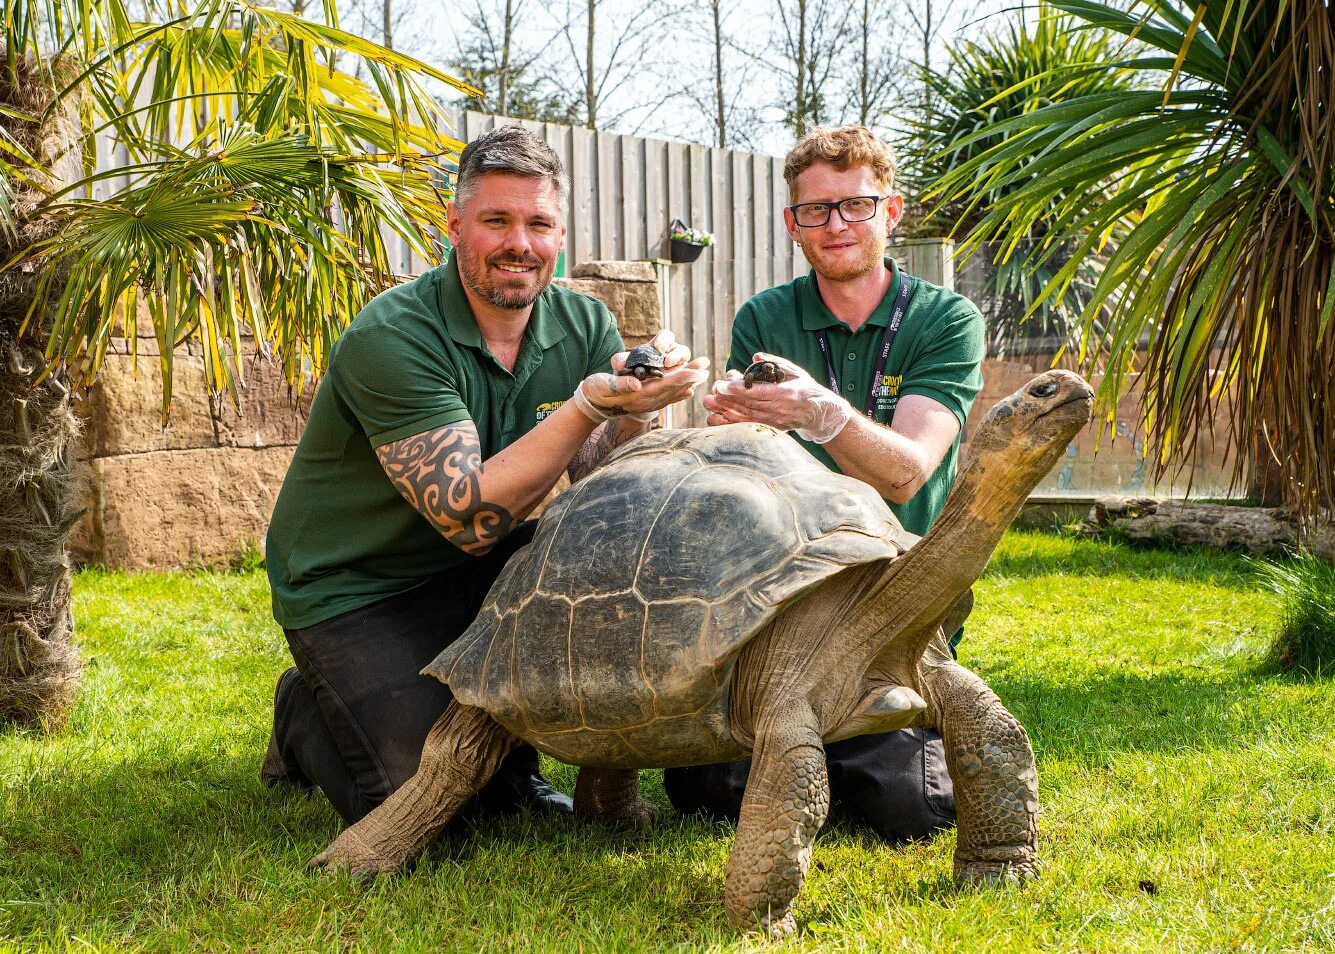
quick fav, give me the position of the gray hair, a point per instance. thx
(510, 148)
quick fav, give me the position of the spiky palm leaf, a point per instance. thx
(263, 181)
(262, 187)
(1018, 68)
(1223, 180)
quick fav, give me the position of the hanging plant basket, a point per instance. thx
(688, 243)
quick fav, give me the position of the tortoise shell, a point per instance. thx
(609, 639)
(646, 361)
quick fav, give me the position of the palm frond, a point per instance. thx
(982, 110)
(1219, 287)
(266, 185)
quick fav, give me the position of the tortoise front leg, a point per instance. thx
(787, 799)
(613, 796)
(992, 768)
(462, 751)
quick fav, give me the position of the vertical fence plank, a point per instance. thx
(762, 224)
(558, 137)
(722, 304)
(634, 244)
(700, 272)
(583, 233)
(656, 212)
(679, 283)
(784, 249)
(608, 195)
(743, 229)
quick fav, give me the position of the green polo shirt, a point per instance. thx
(412, 360)
(936, 353)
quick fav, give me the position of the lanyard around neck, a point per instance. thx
(887, 339)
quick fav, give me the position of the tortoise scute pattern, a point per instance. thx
(682, 603)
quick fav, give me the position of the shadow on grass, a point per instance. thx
(149, 840)
(1033, 556)
(1161, 712)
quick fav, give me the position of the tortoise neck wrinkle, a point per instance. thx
(920, 587)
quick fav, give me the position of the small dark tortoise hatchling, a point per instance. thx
(646, 361)
(764, 371)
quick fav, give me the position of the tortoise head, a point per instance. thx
(1023, 435)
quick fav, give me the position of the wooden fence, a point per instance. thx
(626, 190)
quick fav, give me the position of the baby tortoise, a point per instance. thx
(646, 361)
(764, 371)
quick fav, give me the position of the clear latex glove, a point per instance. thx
(673, 354)
(829, 414)
(797, 403)
(602, 397)
(598, 397)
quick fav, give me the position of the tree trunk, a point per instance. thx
(590, 86)
(39, 668)
(800, 109)
(718, 77)
(864, 66)
(503, 81)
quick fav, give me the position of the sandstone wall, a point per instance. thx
(1108, 456)
(199, 491)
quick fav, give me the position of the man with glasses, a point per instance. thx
(879, 370)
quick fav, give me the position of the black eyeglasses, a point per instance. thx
(859, 208)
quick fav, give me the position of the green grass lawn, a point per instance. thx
(1188, 796)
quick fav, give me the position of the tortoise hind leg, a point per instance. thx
(787, 799)
(992, 768)
(613, 796)
(462, 751)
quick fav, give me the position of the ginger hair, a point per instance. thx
(842, 147)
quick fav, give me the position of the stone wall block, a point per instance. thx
(271, 412)
(616, 271)
(642, 314)
(184, 507)
(634, 304)
(610, 294)
(122, 411)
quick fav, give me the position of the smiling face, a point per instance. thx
(507, 237)
(842, 251)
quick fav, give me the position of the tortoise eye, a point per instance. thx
(1045, 390)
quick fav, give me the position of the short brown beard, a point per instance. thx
(511, 301)
(855, 269)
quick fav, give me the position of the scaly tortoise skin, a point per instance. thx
(710, 594)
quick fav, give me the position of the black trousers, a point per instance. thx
(352, 715)
(894, 784)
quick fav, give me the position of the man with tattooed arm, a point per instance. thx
(451, 406)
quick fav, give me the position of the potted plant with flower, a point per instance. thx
(688, 243)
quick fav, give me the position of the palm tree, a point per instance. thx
(258, 187)
(1216, 194)
(1014, 70)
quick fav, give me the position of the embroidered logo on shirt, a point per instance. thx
(889, 386)
(547, 409)
(887, 393)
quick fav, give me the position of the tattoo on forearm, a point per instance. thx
(605, 438)
(610, 410)
(439, 472)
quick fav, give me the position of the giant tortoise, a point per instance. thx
(711, 594)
